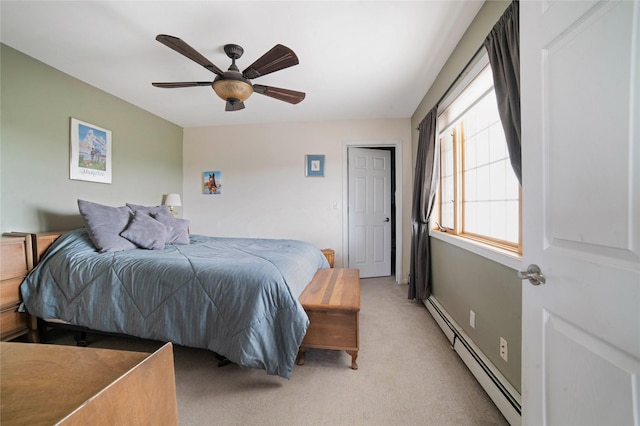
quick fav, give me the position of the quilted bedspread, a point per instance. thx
(237, 297)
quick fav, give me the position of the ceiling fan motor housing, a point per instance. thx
(232, 85)
(233, 51)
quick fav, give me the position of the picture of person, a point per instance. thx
(92, 153)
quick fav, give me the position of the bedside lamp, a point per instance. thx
(171, 200)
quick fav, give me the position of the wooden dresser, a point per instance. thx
(16, 260)
(67, 385)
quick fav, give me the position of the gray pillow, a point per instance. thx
(145, 232)
(149, 210)
(178, 229)
(104, 225)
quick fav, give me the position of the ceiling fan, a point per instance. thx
(233, 86)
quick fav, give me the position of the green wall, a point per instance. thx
(492, 291)
(37, 102)
(462, 280)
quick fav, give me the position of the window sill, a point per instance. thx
(503, 257)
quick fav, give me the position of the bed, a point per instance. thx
(237, 297)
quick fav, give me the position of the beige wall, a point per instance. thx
(462, 280)
(265, 191)
(37, 104)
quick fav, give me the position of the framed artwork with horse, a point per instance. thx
(212, 183)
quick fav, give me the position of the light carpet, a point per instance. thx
(408, 375)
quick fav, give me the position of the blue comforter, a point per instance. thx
(237, 297)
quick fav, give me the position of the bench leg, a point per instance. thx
(354, 355)
(301, 353)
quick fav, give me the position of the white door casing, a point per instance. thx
(369, 211)
(580, 104)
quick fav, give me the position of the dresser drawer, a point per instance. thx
(14, 259)
(10, 292)
(12, 323)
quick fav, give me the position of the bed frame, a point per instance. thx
(40, 242)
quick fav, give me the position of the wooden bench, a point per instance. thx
(332, 302)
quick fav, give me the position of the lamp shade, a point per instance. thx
(172, 200)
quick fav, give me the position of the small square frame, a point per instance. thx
(314, 166)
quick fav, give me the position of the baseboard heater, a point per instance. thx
(505, 396)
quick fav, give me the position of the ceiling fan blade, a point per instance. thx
(291, 96)
(234, 105)
(279, 57)
(184, 49)
(182, 84)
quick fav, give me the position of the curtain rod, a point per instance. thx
(469, 62)
(452, 85)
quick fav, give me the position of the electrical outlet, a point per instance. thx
(472, 319)
(504, 349)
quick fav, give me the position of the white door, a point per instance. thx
(580, 93)
(370, 211)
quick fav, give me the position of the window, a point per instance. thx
(479, 194)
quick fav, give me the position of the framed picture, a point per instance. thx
(212, 183)
(90, 152)
(314, 166)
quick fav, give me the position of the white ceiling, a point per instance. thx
(358, 59)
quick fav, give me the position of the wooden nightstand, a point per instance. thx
(329, 254)
(16, 260)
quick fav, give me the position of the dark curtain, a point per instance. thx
(503, 45)
(424, 191)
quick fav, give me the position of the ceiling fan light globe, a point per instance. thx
(232, 89)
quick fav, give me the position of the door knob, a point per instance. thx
(386, 220)
(533, 274)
